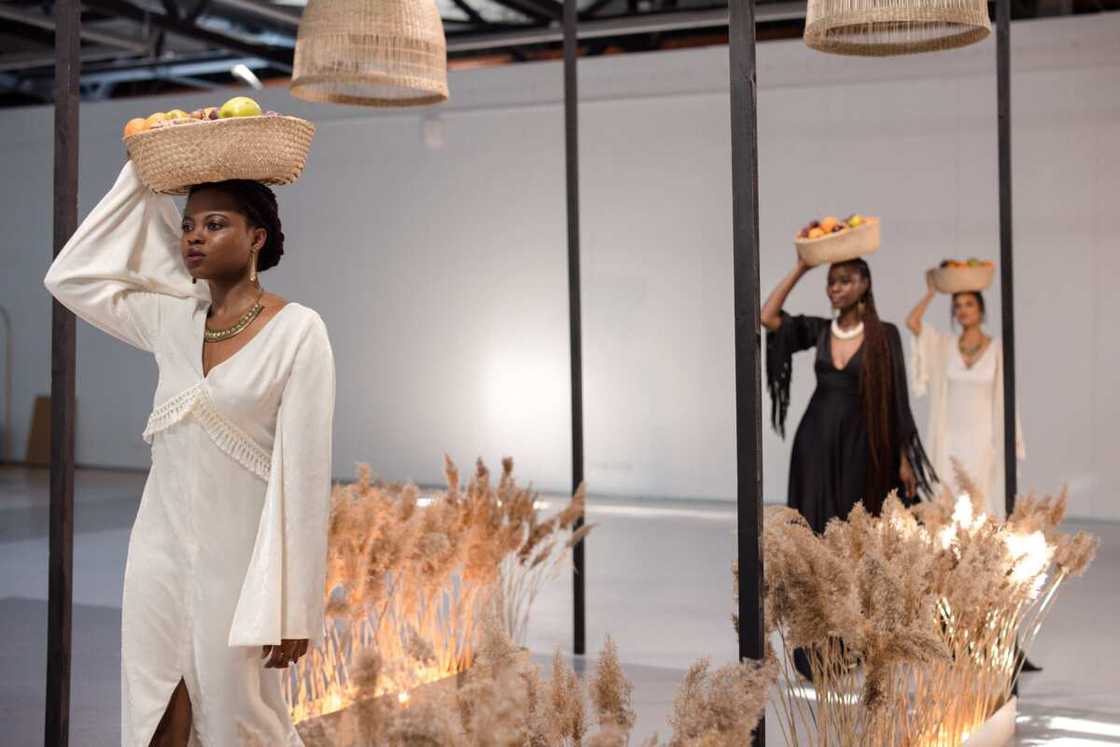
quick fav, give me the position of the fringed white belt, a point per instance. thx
(196, 402)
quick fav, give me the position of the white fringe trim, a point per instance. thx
(196, 401)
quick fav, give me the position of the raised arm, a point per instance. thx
(771, 316)
(122, 258)
(914, 321)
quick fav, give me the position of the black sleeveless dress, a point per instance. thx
(829, 465)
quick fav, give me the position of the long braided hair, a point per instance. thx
(876, 392)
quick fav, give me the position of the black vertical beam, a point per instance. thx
(1006, 272)
(59, 604)
(748, 372)
(575, 316)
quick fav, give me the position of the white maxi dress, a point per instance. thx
(228, 551)
(965, 411)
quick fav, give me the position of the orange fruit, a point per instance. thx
(827, 224)
(816, 233)
(134, 126)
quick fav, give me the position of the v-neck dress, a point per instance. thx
(228, 551)
(965, 411)
(830, 460)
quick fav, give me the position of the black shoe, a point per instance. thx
(801, 664)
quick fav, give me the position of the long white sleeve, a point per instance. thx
(282, 595)
(122, 258)
(927, 359)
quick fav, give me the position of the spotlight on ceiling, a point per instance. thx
(242, 72)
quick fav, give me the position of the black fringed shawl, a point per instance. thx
(798, 333)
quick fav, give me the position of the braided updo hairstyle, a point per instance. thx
(258, 204)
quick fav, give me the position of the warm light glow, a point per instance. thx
(339, 697)
(1031, 555)
(962, 512)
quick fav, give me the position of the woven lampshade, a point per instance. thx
(881, 28)
(371, 53)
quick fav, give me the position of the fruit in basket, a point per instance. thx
(139, 124)
(209, 112)
(177, 114)
(855, 220)
(816, 233)
(240, 106)
(827, 224)
(157, 119)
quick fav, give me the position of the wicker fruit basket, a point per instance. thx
(841, 246)
(963, 279)
(267, 149)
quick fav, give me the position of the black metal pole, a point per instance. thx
(1006, 271)
(575, 318)
(60, 597)
(748, 372)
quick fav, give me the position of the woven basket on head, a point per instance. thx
(962, 279)
(881, 28)
(840, 247)
(371, 53)
(172, 159)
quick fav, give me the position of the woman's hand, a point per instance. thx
(288, 652)
(906, 475)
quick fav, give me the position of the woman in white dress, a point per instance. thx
(223, 586)
(963, 377)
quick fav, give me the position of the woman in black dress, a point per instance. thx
(857, 440)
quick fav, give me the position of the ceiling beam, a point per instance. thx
(262, 11)
(280, 58)
(649, 23)
(33, 60)
(542, 11)
(139, 46)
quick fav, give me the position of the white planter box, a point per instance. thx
(997, 730)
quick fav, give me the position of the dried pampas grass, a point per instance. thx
(408, 577)
(912, 621)
(503, 701)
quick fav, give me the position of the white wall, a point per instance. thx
(441, 271)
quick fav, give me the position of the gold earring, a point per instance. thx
(253, 267)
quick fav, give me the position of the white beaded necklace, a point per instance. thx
(846, 334)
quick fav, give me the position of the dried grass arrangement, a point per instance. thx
(910, 619)
(504, 701)
(408, 576)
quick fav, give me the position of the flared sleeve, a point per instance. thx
(122, 259)
(910, 442)
(796, 333)
(282, 595)
(927, 358)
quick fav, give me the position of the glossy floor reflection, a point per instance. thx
(658, 582)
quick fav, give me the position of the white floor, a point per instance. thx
(658, 582)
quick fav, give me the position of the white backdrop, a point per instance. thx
(433, 243)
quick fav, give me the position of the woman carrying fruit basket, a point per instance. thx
(223, 585)
(857, 440)
(963, 376)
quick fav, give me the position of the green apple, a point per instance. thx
(240, 106)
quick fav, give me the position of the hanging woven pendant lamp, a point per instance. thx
(882, 28)
(371, 53)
